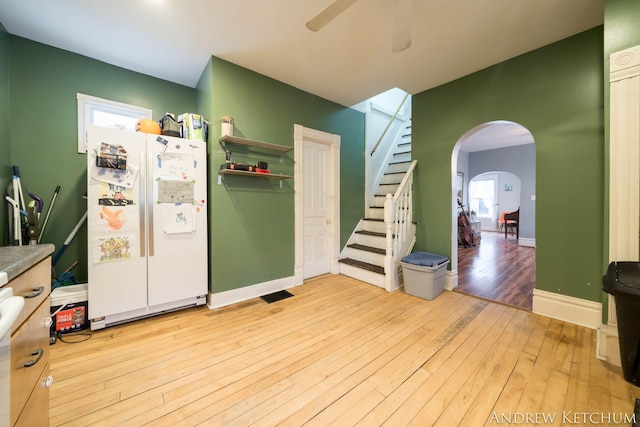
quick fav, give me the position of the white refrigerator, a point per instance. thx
(147, 225)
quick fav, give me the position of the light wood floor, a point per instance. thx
(499, 270)
(339, 353)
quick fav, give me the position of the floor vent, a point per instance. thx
(276, 296)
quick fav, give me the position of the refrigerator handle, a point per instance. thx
(141, 190)
(150, 204)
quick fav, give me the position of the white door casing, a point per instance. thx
(317, 218)
(624, 157)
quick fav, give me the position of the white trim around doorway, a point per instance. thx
(301, 134)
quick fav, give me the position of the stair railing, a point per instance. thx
(384, 132)
(400, 229)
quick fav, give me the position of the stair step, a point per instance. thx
(368, 248)
(391, 186)
(404, 143)
(363, 265)
(407, 162)
(371, 233)
(402, 157)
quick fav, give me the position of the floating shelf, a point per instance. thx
(257, 174)
(253, 143)
(278, 176)
(258, 144)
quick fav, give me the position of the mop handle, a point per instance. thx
(46, 218)
(75, 229)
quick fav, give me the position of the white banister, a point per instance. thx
(400, 230)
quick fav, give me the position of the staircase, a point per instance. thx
(374, 250)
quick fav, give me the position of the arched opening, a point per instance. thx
(493, 172)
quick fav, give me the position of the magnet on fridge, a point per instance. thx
(159, 161)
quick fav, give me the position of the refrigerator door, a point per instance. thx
(177, 259)
(116, 203)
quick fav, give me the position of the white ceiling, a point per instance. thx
(348, 61)
(494, 135)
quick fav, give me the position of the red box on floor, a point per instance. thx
(69, 308)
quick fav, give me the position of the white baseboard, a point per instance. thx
(607, 345)
(527, 241)
(569, 309)
(451, 280)
(222, 299)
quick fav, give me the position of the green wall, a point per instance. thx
(252, 220)
(556, 93)
(251, 237)
(43, 141)
(5, 123)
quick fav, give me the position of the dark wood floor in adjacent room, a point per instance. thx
(499, 270)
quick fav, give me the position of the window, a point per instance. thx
(103, 112)
(482, 197)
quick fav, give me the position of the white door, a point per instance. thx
(316, 211)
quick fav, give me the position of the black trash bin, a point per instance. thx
(623, 282)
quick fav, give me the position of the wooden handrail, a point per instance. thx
(407, 176)
(375, 147)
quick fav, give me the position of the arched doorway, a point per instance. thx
(501, 156)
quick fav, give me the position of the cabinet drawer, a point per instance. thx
(30, 347)
(36, 411)
(34, 285)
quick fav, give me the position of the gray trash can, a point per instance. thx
(423, 274)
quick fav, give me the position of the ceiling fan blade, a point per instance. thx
(326, 15)
(402, 14)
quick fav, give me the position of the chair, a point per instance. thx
(501, 221)
(512, 220)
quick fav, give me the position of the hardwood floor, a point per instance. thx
(499, 270)
(339, 352)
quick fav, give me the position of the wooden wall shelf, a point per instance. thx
(253, 143)
(224, 140)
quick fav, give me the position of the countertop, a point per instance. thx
(15, 260)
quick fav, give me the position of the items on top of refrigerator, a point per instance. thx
(148, 126)
(170, 126)
(194, 126)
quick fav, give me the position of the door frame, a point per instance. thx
(300, 134)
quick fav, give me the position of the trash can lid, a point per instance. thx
(623, 277)
(426, 259)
